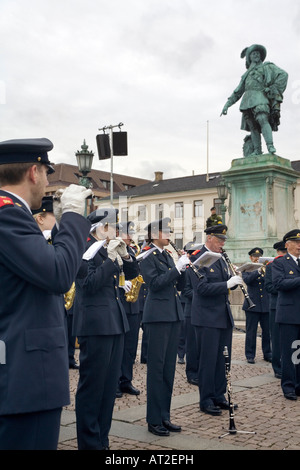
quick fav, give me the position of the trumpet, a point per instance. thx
(234, 273)
(192, 266)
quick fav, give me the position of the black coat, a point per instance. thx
(162, 279)
(34, 276)
(98, 307)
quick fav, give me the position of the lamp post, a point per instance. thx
(222, 195)
(84, 161)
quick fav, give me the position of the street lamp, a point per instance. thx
(222, 195)
(84, 161)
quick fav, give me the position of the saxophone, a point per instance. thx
(137, 282)
(69, 297)
(132, 295)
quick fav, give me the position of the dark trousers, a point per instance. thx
(290, 369)
(144, 346)
(163, 340)
(275, 342)
(212, 379)
(182, 341)
(99, 370)
(130, 348)
(30, 431)
(252, 320)
(192, 360)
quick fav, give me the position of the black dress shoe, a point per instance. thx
(193, 381)
(290, 396)
(277, 375)
(251, 360)
(268, 358)
(211, 410)
(171, 427)
(158, 430)
(119, 394)
(129, 388)
(224, 405)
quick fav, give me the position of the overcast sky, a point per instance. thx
(164, 68)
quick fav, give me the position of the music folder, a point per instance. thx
(249, 267)
(207, 259)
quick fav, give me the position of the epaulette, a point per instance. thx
(88, 239)
(279, 256)
(146, 248)
(168, 251)
(6, 201)
(195, 252)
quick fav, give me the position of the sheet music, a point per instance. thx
(207, 259)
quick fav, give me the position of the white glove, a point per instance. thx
(73, 199)
(182, 262)
(234, 281)
(57, 207)
(112, 249)
(122, 249)
(127, 287)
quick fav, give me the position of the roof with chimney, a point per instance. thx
(66, 174)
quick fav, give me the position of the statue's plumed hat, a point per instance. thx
(255, 47)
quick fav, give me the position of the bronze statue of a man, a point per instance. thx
(262, 87)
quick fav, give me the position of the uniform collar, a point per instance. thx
(20, 199)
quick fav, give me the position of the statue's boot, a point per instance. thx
(266, 131)
(256, 141)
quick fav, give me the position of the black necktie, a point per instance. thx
(298, 261)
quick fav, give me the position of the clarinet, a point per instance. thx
(192, 266)
(233, 272)
(232, 428)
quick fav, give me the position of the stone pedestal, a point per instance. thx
(261, 204)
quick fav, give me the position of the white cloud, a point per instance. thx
(163, 68)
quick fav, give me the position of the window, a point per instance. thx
(124, 214)
(179, 240)
(198, 208)
(141, 213)
(178, 210)
(159, 211)
(128, 186)
(197, 237)
(106, 184)
(217, 204)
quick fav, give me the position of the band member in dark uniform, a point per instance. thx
(134, 316)
(162, 319)
(255, 281)
(273, 296)
(286, 279)
(100, 324)
(212, 318)
(45, 219)
(34, 373)
(192, 362)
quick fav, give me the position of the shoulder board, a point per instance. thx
(146, 248)
(88, 239)
(6, 201)
(195, 252)
(279, 256)
(168, 251)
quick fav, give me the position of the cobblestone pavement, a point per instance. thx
(272, 421)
